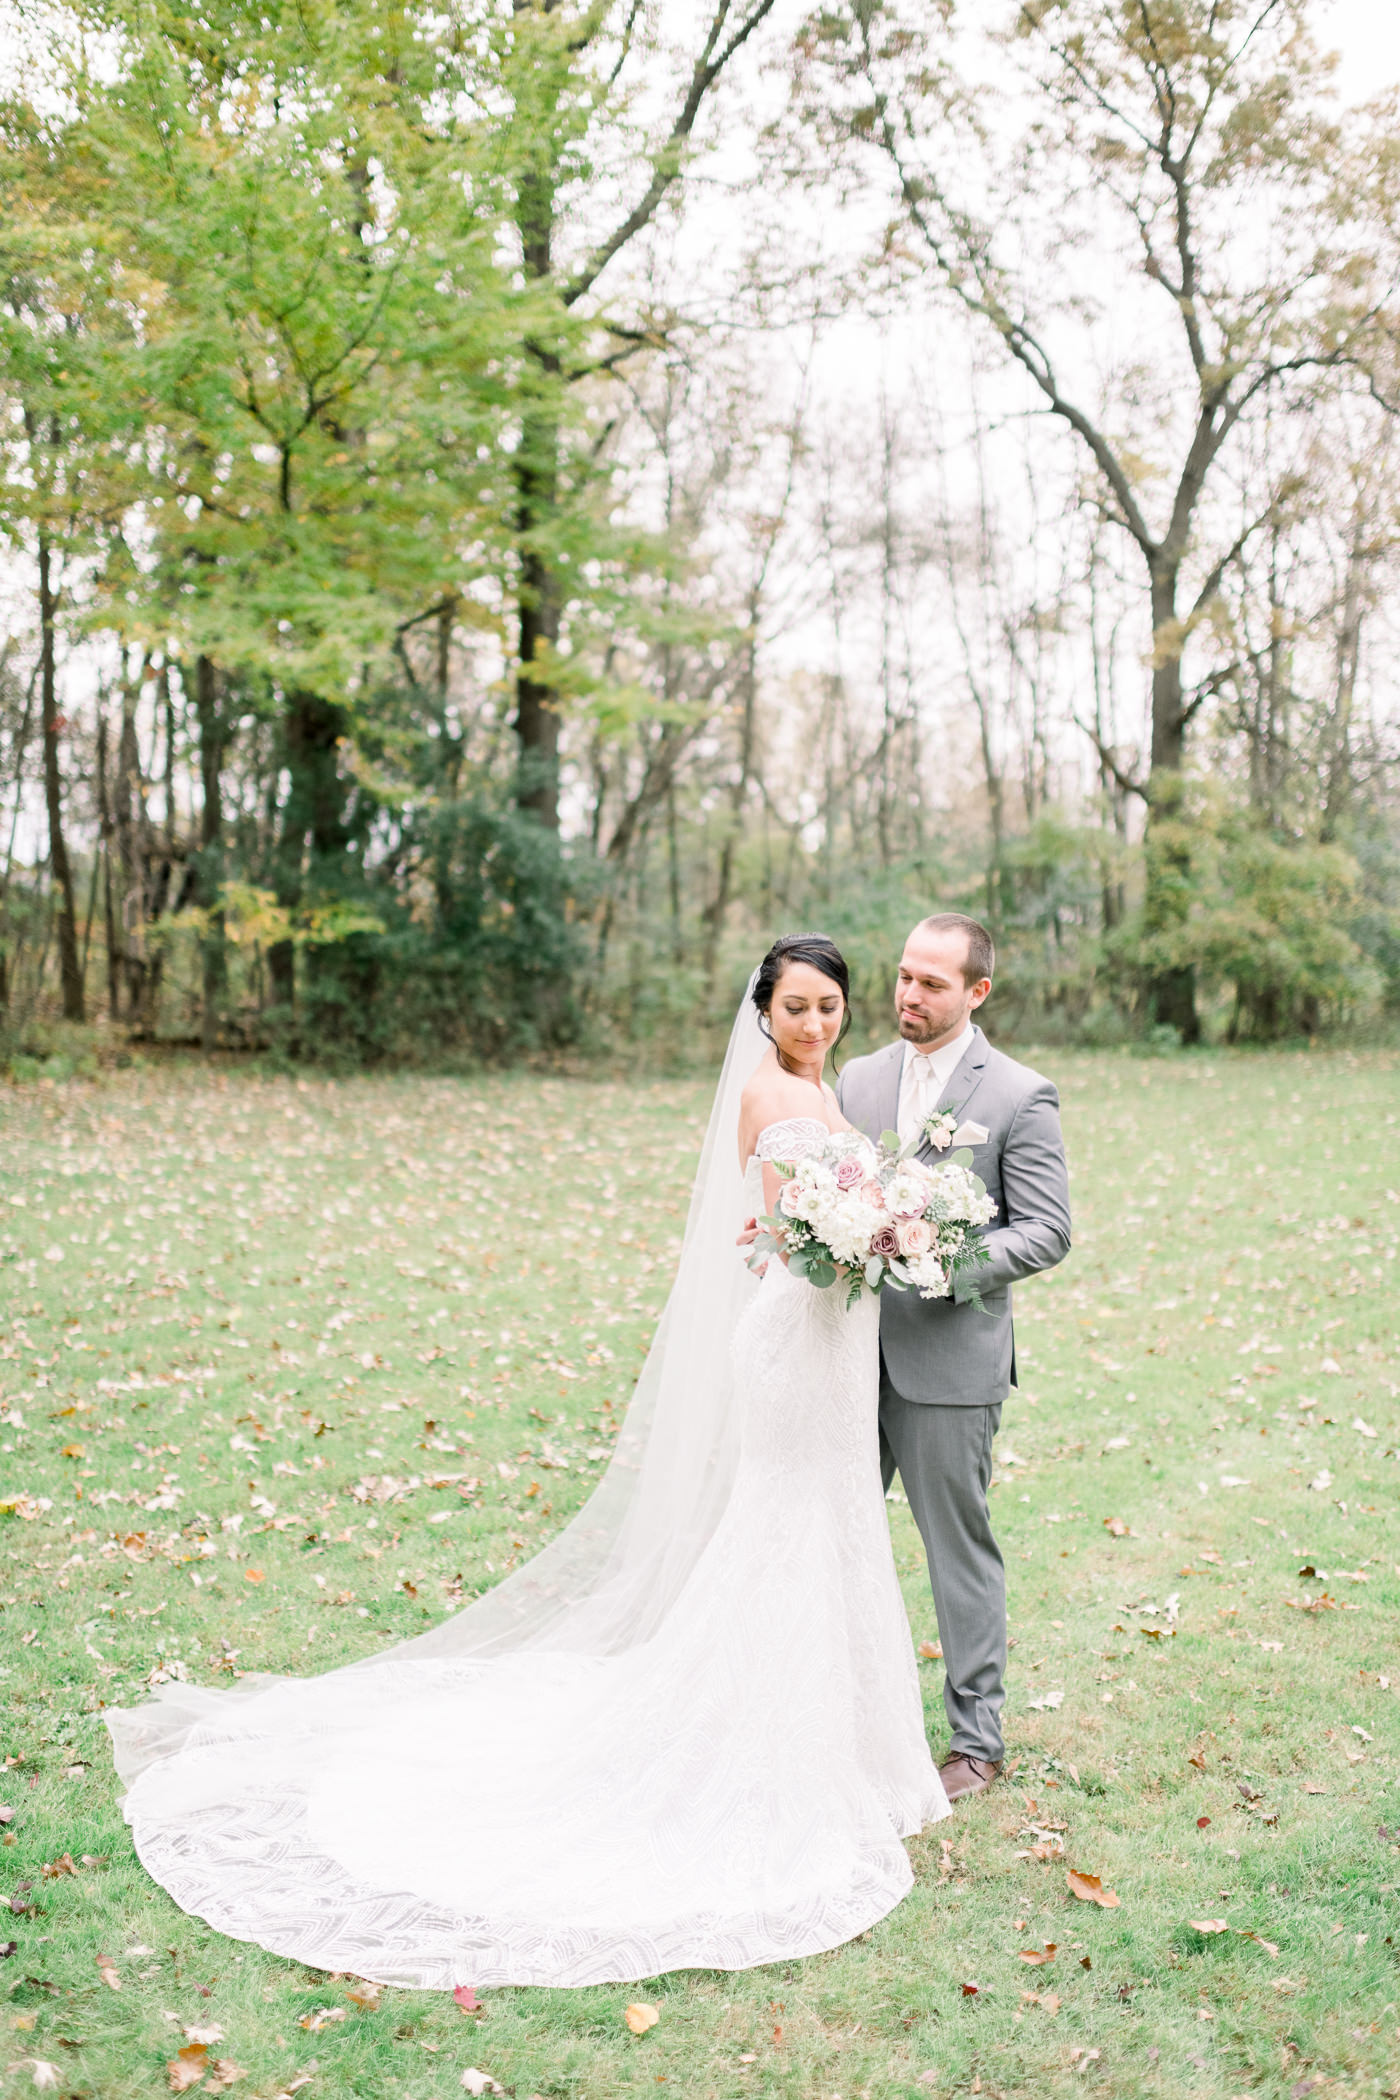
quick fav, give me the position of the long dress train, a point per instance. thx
(727, 1788)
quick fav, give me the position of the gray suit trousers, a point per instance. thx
(944, 1459)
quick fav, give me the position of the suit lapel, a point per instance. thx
(963, 1083)
(886, 1096)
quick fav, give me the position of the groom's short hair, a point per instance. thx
(981, 954)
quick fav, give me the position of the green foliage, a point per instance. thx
(1263, 921)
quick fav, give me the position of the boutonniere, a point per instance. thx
(939, 1128)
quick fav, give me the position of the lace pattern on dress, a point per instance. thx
(791, 1139)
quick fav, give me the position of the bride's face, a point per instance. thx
(806, 1014)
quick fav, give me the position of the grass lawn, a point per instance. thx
(247, 1324)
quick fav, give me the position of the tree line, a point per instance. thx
(458, 598)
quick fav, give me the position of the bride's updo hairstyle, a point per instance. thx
(815, 949)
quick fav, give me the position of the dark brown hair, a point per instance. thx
(820, 952)
(981, 955)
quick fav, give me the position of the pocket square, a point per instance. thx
(971, 1134)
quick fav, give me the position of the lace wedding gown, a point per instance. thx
(725, 1782)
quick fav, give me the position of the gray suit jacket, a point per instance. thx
(944, 1350)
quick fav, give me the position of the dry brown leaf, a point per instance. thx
(188, 2068)
(931, 1651)
(1035, 1956)
(1208, 1924)
(107, 1970)
(206, 2035)
(1310, 1786)
(1089, 1889)
(254, 1575)
(1048, 2001)
(52, 1868)
(366, 1995)
(226, 2073)
(321, 2016)
(1268, 1946)
(1197, 1759)
(640, 2017)
(1116, 1527)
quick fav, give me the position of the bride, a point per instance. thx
(688, 1734)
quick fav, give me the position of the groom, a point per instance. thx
(945, 1365)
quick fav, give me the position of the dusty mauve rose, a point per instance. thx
(885, 1242)
(915, 1236)
(849, 1172)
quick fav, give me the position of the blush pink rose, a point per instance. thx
(885, 1242)
(789, 1199)
(872, 1193)
(850, 1172)
(915, 1237)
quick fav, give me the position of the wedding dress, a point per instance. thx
(689, 1734)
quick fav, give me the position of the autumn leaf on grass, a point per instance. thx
(188, 2068)
(1208, 1924)
(1116, 1528)
(1035, 1956)
(321, 2016)
(367, 1995)
(203, 2035)
(1048, 2001)
(45, 2075)
(466, 2000)
(52, 1868)
(1089, 1889)
(1310, 1786)
(226, 2073)
(640, 2017)
(478, 2082)
(1268, 1946)
(107, 1970)
(930, 1651)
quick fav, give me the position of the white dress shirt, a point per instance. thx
(925, 1078)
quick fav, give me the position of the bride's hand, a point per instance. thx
(747, 1237)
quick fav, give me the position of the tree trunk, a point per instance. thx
(537, 497)
(70, 967)
(1171, 988)
(314, 815)
(209, 864)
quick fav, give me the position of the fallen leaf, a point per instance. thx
(1311, 1786)
(1089, 1889)
(1116, 1528)
(1208, 1924)
(465, 1999)
(188, 2068)
(640, 2017)
(1268, 1946)
(1197, 1759)
(321, 2016)
(931, 1651)
(366, 1995)
(1048, 2001)
(254, 1575)
(1362, 1428)
(971, 1990)
(226, 2073)
(1203, 1822)
(45, 2075)
(107, 1970)
(475, 2081)
(1036, 1956)
(52, 1868)
(1048, 1704)
(1084, 1962)
(203, 2035)
(7, 1948)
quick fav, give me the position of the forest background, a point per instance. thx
(507, 508)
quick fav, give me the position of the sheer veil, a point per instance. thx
(606, 1582)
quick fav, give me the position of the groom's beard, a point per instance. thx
(915, 1029)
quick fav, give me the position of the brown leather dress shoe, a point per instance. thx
(967, 1775)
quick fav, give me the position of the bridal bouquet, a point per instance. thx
(877, 1217)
